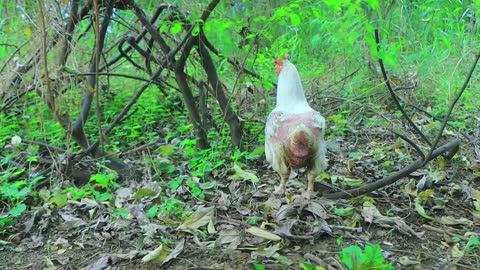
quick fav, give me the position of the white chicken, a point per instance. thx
(294, 131)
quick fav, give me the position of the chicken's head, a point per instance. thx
(279, 64)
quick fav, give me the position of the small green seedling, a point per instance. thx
(372, 258)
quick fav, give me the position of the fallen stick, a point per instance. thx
(442, 231)
(450, 147)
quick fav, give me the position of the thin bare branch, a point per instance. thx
(48, 96)
(452, 105)
(234, 62)
(394, 96)
(219, 93)
(414, 145)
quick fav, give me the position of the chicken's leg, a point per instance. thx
(282, 188)
(310, 193)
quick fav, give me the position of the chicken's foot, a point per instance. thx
(282, 188)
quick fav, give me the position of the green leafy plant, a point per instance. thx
(121, 212)
(308, 266)
(14, 193)
(195, 189)
(372, 258)
(4, 223)
(339, 240)
(152, 211)
(344, 211)
(18, 209)
(473, 243)
(338, 123)
(172, 206)
(101, 185)
(58, 199)
(175, 183)
(258, 266)
(104, 180)
(75, 193)
(99, 195)
(253, 220)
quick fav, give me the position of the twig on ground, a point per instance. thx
(452, 146)
(346, 228)
(339, 81)
(442, 231)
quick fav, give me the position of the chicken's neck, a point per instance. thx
(290, 95)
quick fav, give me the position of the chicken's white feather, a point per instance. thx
(290, 94)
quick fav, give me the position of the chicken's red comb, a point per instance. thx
(279, 64)
(285, 57)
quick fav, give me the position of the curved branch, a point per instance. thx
(151, 29)
(73, 20)
(439, 120)
(450, 109)
(136, 96)
(394, 96)
(17, 49)
(450, 147)
(124, 53)
(414, 145)
(138, 38)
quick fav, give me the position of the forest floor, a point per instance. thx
(424, 221)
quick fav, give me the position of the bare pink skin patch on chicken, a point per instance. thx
(299, 149)
(300, 152)
(288, 123)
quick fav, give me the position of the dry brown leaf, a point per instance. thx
(449, 220)
(175, 252)
(103, 263)
(316, 209)
(199, 218)
(264, 234)
(229, 236)
(405, 261)
(286, 211)
(285, 228)
(273, 203)
(266, 252)
(372, 215)
(71, 221)
(157, 255)
(241, 174)
(223, 202)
